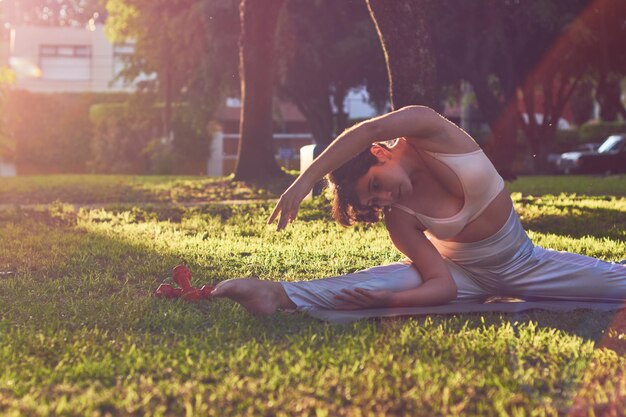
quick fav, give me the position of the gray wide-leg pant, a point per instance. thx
(505, 264)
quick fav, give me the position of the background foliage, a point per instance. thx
(518, 57)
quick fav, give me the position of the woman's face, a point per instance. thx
(385, 183)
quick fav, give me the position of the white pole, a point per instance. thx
(215, 164)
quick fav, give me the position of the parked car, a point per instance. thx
(555, 155)
(609, 158)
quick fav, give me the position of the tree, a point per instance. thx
(216, 76)
(496, 46)
(327, 48)
(56, 12)
(429, 45)
(255, 157)
(167, 37)
(575, 32)
(607, 53)
(185, 52)
(554, 78)
(491, 47)
(524, 58)
(581, 102)
(411, 70)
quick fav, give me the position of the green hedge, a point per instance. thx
(99, 132)
(7, 148)
(598, 131)
(51, 132)
(127, 139)
(569, 136)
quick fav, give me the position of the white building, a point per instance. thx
(59, 59)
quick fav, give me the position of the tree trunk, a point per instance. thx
(581, 103)
(255, 158)
(503, 137)
(503, 123)
(482, 46)
(167, 92)
(320, 117)
(556, 91)
(405, 38)
(608, 94)
(340, 117)
(167, 113)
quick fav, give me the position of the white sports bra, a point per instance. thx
(481, 184)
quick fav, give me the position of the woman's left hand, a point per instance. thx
(289, 203)
(360, 298)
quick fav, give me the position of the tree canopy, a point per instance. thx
(326, 48)
(520, 58)
(184, 43)
(537, 50)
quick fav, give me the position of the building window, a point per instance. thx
(65, 62)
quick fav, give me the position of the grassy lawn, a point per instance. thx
(81, 335)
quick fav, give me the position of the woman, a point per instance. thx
(445, 207)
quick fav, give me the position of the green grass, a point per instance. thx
(611, 185)
(80, 334)
(106, 189)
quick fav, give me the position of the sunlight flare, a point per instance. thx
(24, 67)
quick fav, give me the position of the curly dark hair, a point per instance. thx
(346, 207)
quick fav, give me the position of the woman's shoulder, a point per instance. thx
(449, 138)
(400, 220)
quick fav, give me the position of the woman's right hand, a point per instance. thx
(289, 203)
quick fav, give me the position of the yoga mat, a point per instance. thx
(347, 316)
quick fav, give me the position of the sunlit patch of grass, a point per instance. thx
(610, 185)
(571, 215)
(81, 335)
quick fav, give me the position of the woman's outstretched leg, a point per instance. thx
(320, 294)
(569, 276)
(265, 297)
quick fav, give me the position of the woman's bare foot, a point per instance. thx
(256, 296)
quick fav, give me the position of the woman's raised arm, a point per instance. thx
(411, 121)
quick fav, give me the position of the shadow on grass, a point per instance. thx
(107, 189)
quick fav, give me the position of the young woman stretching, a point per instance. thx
(445, 207)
